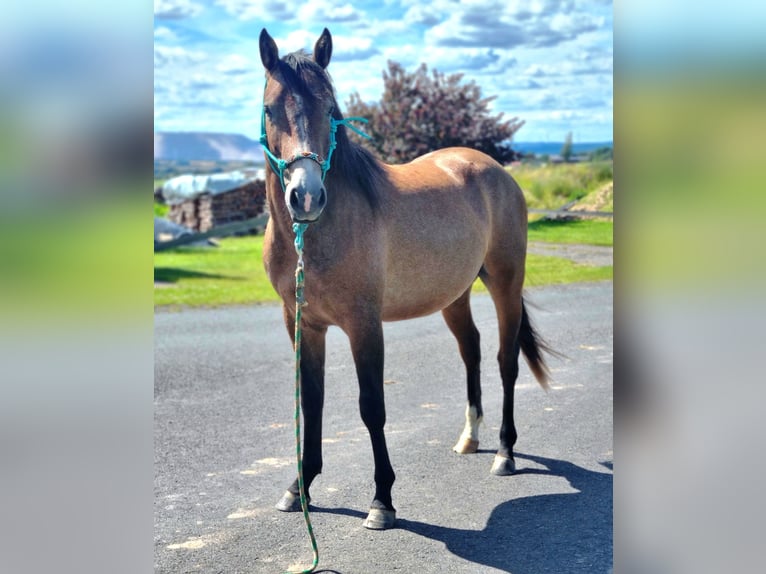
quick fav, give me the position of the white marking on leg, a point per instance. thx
(469, 440)
(472, 422)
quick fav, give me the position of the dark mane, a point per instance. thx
(350, 161)
(357, 165)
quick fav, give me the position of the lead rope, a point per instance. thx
(300, 302)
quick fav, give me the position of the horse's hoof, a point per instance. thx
(466, 446)
(503, 466)
(290, 502)
(380, 519)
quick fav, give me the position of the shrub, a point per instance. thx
(421, 112)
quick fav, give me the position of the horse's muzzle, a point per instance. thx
(305, 194)
(306, 206)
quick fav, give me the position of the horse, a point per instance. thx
(386, 243)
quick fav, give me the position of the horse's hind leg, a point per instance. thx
(508, 304)
(460, 322)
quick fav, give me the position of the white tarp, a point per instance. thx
(187, 187)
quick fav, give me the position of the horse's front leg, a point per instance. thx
(312, 401)
(367, 348)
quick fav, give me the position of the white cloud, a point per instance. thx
(490, 23)
(328, 12)
(528, 84)
(300, 39)
(202, 82)
(386, 29)
(535, 71)
(347, 48)
(564, 114)
(466, 29)
(472, 61)
(176, 55)
(266, 10)
(545, 100)
(551, 57)
(569, 69)
(164, 34)
(233, 64)
(420, 13)
(175, 9)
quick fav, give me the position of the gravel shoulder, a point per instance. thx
(595, 255)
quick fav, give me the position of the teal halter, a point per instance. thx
(279, 165)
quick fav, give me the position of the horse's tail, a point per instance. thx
(533, 346)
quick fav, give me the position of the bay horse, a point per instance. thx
(385, 242)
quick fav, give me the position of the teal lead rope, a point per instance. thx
(279, 166)
(300, 302)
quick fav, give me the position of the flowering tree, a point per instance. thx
(421, 112)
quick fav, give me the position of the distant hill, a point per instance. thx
(554, 148)
(202, 146)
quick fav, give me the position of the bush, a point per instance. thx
(551, 186)
(421, 112)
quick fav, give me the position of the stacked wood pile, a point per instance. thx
(207, 210)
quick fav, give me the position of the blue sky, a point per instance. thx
(549, 62)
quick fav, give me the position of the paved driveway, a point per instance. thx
(224, 448)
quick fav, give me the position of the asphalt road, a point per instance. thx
(224, 448)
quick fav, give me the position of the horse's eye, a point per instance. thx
(267, 111)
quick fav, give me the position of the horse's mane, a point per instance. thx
(351, 162)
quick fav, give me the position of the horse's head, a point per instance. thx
(298, 106)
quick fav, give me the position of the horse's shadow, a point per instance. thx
(568, 532)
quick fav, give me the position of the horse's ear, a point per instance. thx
(269, 51)
(323, 49)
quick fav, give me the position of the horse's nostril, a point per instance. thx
(294, 200)
(322, 198)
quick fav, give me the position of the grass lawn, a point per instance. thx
(584, 231)
(229, 274)
(233, 273)
(545, 270)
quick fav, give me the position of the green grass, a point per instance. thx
(229, 274)
(584, 231)
(160, 210)
(545, 270)
(233, 273)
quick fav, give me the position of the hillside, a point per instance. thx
(201, 146)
